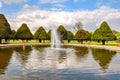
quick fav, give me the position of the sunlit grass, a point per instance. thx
(29, 42)
(109, 43)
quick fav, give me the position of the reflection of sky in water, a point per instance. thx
(67, 64)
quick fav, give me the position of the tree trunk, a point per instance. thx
(6, 40)
(98, 41)
(27, 40)
(69, 41)
(40, 40)
(103, 42)
(81, 41)
(0, 40)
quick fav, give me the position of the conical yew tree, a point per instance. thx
(5, 29)
(103, 33)
(24, 33)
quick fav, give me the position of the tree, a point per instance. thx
(90, 35)
(78, 26)
(12, 36)
(62, 32)
(49, 34)
(43, 36)
(103, 33)
(81, 35)
(24, 33)
(115, 32)
(69, 36)
(38, 32)
(118, 36)
(5, 29)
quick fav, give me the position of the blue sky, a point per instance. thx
(11, 6)
(90, 12)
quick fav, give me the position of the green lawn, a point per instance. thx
(109, 43)
(29, 42)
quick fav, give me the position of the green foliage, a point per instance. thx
(38, 32)
(12, 36)
(24, 33)
(3, 32)
(69, 36)
(90, 35)
(118, 35)
(62, 32)
(5, 29)
(103, 33)
(49, 34)
(43, 35)
(115, 31)
(82, 34)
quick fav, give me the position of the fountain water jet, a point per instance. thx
(55, 40)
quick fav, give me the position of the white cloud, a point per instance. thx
(28, 7)
(79, 0)
(56, 5)
(107, 3)
(56, 9)
(0, 5)
(60, 5)
(35, 18)
(13, 1)
(52, 1)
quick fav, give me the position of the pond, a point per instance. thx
(68, 63)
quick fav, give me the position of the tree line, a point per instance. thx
(102, 34)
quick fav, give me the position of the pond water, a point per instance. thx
(68, 63)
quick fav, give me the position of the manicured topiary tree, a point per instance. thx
(43, 36)
(81, 35)
(5, 29)
(103, 33)
(12, 36)
(62, 32)
(38, 32)
(24, 33)
(69, 36)
(49, 34)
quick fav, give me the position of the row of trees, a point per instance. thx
(103, 33)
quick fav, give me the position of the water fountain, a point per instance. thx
(55, 40)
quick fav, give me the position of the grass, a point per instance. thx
(29, 42)
(109, 43)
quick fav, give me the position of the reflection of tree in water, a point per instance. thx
(103, 57)
(22, 55)
(62, 56)
(81, 52)
(5, 56)
(40, 47)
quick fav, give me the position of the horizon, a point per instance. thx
(52, 13)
